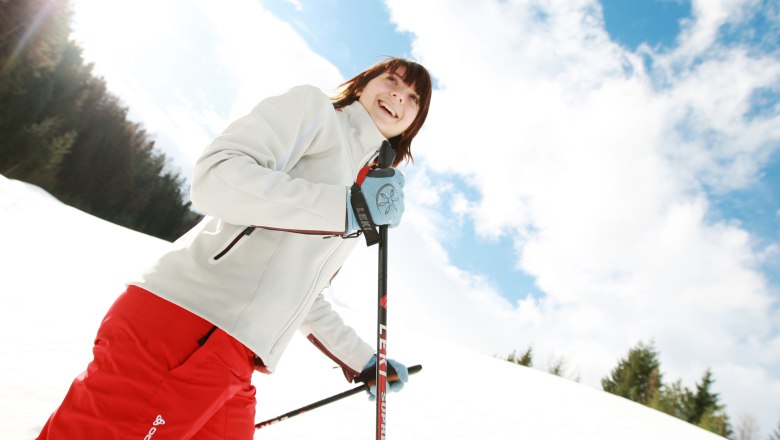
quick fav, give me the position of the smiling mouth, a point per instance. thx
(388, 109)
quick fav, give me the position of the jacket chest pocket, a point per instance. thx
(231, 245)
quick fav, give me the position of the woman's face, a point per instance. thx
(392, 104)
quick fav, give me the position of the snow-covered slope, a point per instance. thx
(60, 269)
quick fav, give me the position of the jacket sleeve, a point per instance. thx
(327, 331)
(242, 176)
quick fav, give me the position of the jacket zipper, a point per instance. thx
(300, 231)
(246, 232)
(249, 229)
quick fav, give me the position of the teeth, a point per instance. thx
(388, 109)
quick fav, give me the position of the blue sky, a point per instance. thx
(755, 207)
(350, 34)
(653, 22)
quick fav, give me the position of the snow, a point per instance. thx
(62, 268)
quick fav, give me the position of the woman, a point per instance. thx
(174, 355)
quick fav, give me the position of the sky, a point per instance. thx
(436, 402)
(591, 175)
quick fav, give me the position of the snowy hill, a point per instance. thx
(61, 269)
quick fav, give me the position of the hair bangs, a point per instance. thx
(415, 76)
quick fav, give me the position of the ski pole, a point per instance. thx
(381, 338)
(363, 387)
(385, 160)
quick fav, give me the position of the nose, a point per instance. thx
(399, 96)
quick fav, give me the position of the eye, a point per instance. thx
(415, 99)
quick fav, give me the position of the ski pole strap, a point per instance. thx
(363, 216)
(358, 200)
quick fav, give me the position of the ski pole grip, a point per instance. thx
(386, 155)
(414, 369)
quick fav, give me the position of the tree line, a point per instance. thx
(62, 130)
(638, 377)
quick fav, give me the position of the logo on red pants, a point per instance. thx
(158, 421)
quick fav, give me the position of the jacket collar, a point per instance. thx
(363, 131)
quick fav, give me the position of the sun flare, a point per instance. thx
(109, 30)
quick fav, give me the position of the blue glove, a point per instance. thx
(368, 375)
(383, 191)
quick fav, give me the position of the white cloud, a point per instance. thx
(296, 4)
(597, 168)
(187, 81)
(262, 54)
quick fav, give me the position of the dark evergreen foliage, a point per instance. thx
(637, 377)
(61, 129)
(526, 359)
(703, 399)
(705, 409)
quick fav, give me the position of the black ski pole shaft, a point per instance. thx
(312, 406)
(364, 387)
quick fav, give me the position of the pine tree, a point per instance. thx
(526, 359)
(705, 410)
(62, 130)
(716, 421)
(32, 36)
(672, 399)
(557, 366)
(636, 377)
(703, 399)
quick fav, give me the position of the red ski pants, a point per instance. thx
(159, 373)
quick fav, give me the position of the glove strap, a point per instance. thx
(363, 215)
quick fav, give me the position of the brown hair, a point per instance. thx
(416, 76)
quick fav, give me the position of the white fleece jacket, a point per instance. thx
(272, 184)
